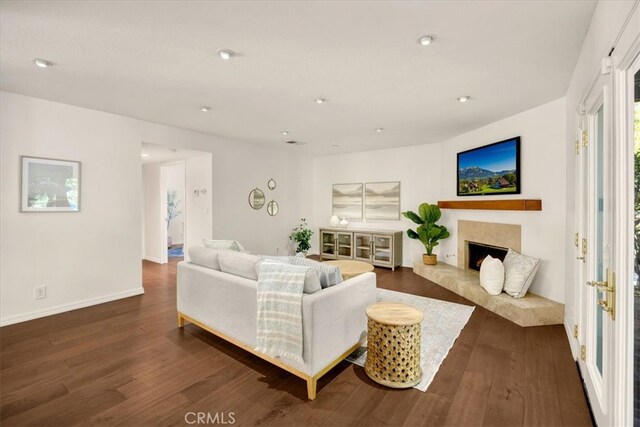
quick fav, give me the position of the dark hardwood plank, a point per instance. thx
(127, 363)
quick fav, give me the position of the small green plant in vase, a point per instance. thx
(302, 236)
(428, 232)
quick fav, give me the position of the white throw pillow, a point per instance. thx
(239, 263)
(492, 275)
(206, 257)
(329, 274)
(233, 245)
(519, 271)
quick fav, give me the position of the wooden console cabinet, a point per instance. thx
(379, 247)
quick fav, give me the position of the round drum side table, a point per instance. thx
(393, 344)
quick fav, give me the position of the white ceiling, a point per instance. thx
(156, 60)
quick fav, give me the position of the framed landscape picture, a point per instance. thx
(382, 200)
(347, 201)
(50, 185)
(492, 169)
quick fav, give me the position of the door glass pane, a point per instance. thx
(344, 245)
(636, 255)
(599, 219)
(328, 243)
(363, 246)
(382, 248)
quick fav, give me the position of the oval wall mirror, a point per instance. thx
(256, 199)
(271, 184)
(272, 208)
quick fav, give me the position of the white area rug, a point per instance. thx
(441, 325)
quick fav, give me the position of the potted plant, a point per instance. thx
(428, 232)
(302, 236)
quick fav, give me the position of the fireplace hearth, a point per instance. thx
(479, 251)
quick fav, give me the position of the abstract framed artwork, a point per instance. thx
(382, 200)
(50, 185)
(347, 201)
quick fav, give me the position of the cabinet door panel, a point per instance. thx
(363, 246)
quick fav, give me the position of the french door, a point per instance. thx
(595, 248)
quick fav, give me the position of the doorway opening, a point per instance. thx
(176, 205)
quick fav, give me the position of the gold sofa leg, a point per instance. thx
(312, 383)
(180, 321)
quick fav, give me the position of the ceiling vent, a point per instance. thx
(295, 142)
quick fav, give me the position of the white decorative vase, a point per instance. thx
(344, 222)
(334, 221)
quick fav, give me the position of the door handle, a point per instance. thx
(608, 304)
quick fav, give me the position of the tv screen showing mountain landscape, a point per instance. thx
(492, 169)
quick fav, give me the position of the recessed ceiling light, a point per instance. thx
(335, 146)
(145, 155)
(285, 132)
(42, 63)
(379, 130)
(226, 54)
(464, 98)
(204, 108)
(320, 100)
(425, 40)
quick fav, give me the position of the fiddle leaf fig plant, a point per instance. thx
(428, 232)
(302, 236)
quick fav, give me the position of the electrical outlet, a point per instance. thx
(40, 292)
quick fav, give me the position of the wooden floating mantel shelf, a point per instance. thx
(494, 205)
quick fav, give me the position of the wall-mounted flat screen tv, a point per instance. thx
(492, 169)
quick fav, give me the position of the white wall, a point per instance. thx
(237, 169)
(93, 256)
(198, 206)
(542, 157)
(417, 168)
(428, 174)
(153, 214)
(82, 258)
(607, 22)
(175, 179)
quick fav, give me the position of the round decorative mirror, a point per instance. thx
(272, 208)
(256, 199)
(271, 184)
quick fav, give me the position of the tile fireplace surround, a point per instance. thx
(488, 233)
(532, 310)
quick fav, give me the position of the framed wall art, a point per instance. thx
(50, 185)
(382, 200)
(347, 200)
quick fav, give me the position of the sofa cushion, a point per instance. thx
(492, 275)
(329, 274)
(239, 263)
(205, 257)
(233, 245)
(519, 271)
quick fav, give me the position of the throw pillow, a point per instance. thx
(311, 279)
(239, 263)
(223, 244)
(492, 275)
(206, 257)
(519, 271)
(329, 274)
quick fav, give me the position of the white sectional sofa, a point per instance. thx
(225, 304)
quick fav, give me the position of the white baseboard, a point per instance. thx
(573, 343)
(153, 259)
(17, 318)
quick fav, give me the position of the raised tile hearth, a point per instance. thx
(532, 310)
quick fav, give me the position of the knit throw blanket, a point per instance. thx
(280, 289)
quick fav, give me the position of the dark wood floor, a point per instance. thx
(127, 363)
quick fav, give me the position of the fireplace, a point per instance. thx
(479, 251)
(489, 236)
